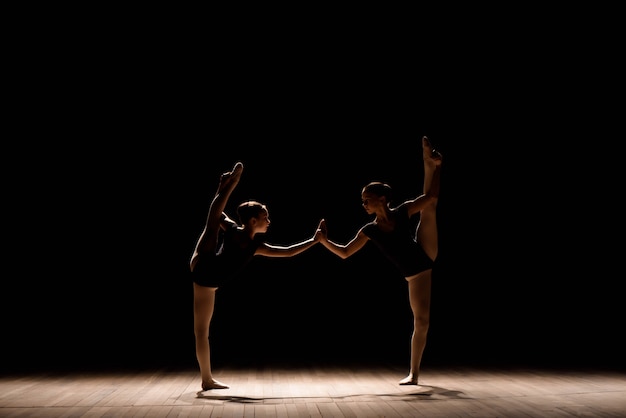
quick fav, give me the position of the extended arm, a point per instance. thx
(271, 250)
(341, 250)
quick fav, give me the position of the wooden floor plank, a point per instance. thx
(321, 392)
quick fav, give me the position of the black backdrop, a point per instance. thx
(100, 274)
(111, 174)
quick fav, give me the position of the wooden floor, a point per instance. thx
(317, 392)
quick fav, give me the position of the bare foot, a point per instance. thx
(214, 384)
(231, 178)
(409, 380)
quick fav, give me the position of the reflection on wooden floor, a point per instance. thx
(317, 392)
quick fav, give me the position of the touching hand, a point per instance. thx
(321, 233)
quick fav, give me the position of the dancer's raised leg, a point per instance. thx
(208, 239)
(427, 234)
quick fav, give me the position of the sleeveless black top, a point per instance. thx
(400, 246)
(232, 256)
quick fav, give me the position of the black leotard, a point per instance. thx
(214, 270)
(400, 245)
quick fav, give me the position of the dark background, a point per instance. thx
(116, 154)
